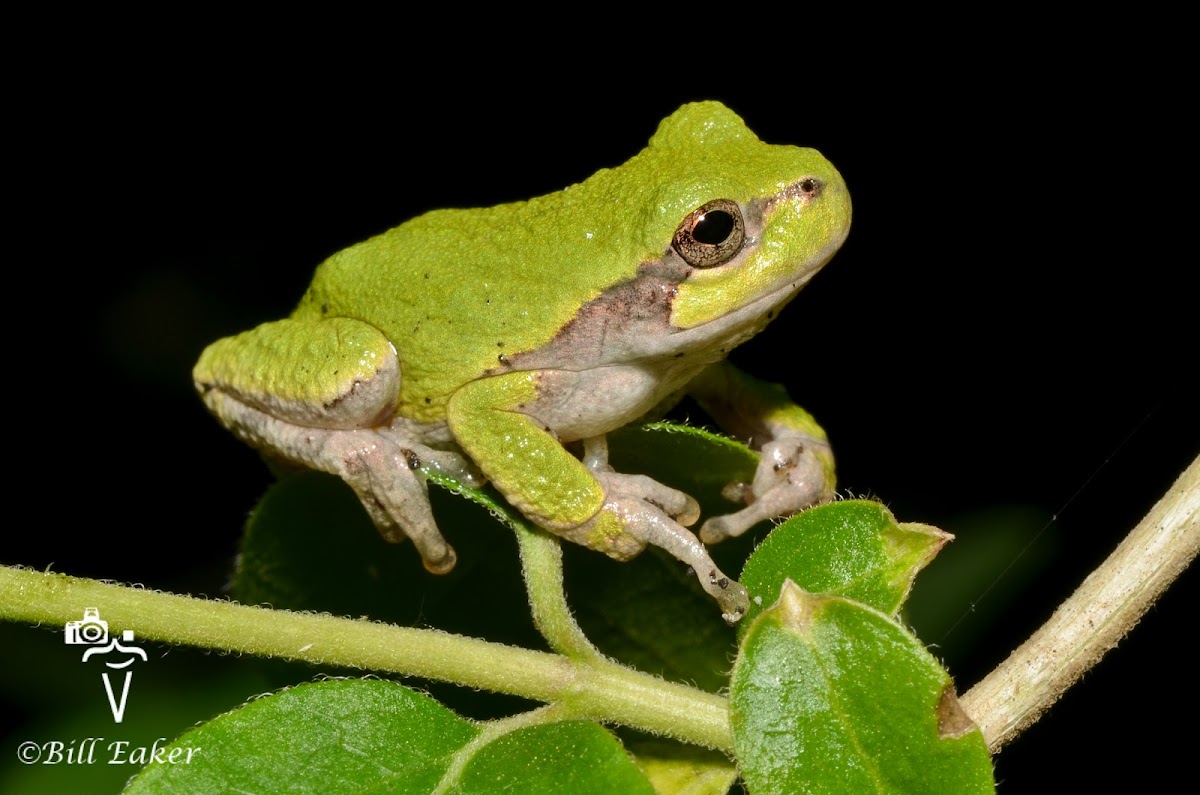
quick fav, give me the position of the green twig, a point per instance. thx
(541, 565)
(1104, 608)
(597, 689)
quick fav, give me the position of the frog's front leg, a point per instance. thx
(796, 469)
(646, 509)
(494, 420)
(323, 394)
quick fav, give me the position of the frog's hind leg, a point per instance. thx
(382, 467)
(386, 477)
(328, 401)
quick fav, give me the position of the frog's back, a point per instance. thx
(460, 291)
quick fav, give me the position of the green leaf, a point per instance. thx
(342, 736)
(832, 696)
(360, 736)
(569, 756)
(309, 545)
(853, 548)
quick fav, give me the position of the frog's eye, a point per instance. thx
(711, 234)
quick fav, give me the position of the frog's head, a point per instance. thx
(681, 253)
(748, 223)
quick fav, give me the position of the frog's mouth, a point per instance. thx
(735, 327)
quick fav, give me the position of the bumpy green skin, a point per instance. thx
(457, 289)
(295, 369)
(498, 334)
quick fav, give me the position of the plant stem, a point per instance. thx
(1104, 608)
(616, 690)
(598, 689)
(541, 565)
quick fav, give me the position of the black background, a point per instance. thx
(1012, 321)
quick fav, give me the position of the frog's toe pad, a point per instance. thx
(444, 564)
(731, 595)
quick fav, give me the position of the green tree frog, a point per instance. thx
(500, 345)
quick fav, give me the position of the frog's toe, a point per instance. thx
(385, 471)
(444, 563)
(734, 601)
(791, 476)
(731, 525)
(676, 504)
(732, 597)
(644, 521)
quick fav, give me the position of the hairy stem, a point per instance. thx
(541, 565)
(1104, 608)
(585, 684)
(598, 689)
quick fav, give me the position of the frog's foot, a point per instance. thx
(794, 473)
(647, 512)
(649, 524)
(385, 474)
(384, 466)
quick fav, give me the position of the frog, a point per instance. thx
(502, 345)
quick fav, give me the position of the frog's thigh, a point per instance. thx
(323, 394)
(522, 458)
(332, 373)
